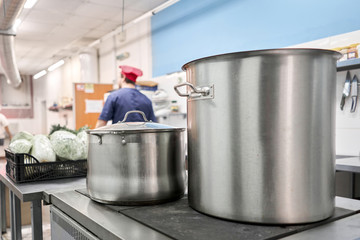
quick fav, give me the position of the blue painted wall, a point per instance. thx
(192, 29)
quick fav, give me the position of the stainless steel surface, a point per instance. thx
(2, 208)
(351, 164)
(136, 163)
(196, 92)
(354, 93)
(122, 127)
(64, 228)
(36, 220)
(262, 150)
(121, 222)
(347, 203)
(135, 111)
(33, 192)
(15, 217)
(136, 168)
(347, 228)
(27, 192)
(346, 90)
(99, 219)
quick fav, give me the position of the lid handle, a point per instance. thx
(134, 111)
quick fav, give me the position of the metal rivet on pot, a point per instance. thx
(123, 141)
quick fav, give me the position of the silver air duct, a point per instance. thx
(9, 11)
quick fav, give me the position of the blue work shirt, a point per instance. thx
(123, 100)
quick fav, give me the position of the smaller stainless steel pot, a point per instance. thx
(137, 163)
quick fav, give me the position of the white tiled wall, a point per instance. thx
(347, 123)
(333, 41)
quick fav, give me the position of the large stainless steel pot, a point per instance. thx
(136, 163)
(261, 135)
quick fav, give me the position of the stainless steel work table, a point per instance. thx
(347, 228)
(30, 192)
(176, 220)
(37, 191)
(348, 164)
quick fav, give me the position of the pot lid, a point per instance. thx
(127, 127)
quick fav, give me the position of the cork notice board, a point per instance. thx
(88, 101)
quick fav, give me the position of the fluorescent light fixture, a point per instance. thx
(40, 74)
(30, 3)
(142, 17)
(96, 42)
(56, 65)
(164, 5)
(16, 24)
(155, 10)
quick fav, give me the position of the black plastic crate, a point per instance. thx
(22, 167)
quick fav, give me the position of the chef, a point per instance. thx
(4, 127)
(125, 99)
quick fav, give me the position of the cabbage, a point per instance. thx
(42, 149)
(82, 136)
(22, 135)
(67, 145)
(20, 146)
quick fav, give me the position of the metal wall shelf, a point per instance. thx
(348, 64)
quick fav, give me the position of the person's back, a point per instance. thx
(124, 100)
(4, 127)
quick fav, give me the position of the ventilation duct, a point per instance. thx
(9, 11)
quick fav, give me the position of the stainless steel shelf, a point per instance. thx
(348, 64)
(351, 164)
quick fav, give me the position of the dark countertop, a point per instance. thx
(177, 219)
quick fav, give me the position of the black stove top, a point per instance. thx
(178, 220)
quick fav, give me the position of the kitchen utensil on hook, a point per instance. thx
(346, 90)
(354, 93)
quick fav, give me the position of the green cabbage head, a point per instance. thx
(22, 135)
(67, 145)
(42, 149)
(20, 146)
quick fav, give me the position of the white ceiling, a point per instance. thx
(54, 29)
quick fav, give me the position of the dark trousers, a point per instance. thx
(2, 141)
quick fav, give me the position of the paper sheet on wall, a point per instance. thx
(80, 87)
(89, 88)
(93, 106)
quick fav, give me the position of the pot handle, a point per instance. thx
(196, 92)
(99, 138)
(135, 111)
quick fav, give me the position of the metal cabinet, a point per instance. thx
(65, 228)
